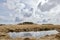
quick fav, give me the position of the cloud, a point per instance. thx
(55, 1)
(48, 5)
(54, 13)
(23, 10)
(51, 9)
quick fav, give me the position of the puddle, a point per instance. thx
(37, 34)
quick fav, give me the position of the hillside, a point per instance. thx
(28, 27)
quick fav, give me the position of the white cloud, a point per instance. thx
(22, 8)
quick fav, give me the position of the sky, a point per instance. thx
(37, 11)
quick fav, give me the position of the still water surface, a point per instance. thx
(32, 34)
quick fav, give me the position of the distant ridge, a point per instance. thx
(25, 23)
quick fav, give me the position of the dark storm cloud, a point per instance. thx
(55, 1)
(46, 7)
(49, 5)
